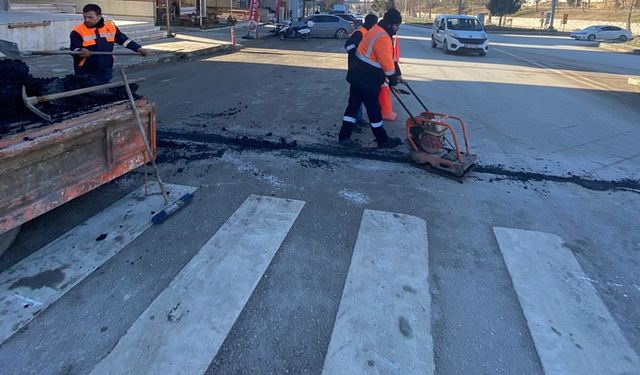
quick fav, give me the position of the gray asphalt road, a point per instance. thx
(558, 154)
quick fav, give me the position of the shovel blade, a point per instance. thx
(10, 49)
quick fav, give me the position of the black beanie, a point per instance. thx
(370, 20)
(392, 17)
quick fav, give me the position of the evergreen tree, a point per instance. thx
(381, 6)
(502, 8)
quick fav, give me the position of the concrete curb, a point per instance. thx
(619, 48)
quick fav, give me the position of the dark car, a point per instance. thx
(356, 22)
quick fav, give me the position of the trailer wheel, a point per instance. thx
(7, 238)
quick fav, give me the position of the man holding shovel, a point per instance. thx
(97, 35)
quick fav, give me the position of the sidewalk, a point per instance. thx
(620, 47)
(186, 44)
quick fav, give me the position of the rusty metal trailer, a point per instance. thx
(43, 168)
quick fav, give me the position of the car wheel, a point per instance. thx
(445, 47)
(591, 38)
(483, 53)
(341, 33)
(622, 38)
(281, 36)
(305, 37)
(433, 42)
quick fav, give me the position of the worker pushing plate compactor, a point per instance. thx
(427, 135)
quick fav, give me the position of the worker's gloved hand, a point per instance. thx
(143, 52)
(393, 81)
(85, 52)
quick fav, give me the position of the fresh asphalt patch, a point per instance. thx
(175, 146)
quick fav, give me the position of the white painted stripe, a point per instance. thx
(349, 119)
(383, 325)
(184, 327)
(572, 329)
(42, 278)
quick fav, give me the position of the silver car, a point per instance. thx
(602, 32)
(328, 26)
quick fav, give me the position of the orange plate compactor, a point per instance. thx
(427, 135)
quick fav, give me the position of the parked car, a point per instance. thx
(603, 32)
(326, 25)
(459, 33)
(356, 22)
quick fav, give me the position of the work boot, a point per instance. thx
(391, 142)
(383, 140)
(345, 131)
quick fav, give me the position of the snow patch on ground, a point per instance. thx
(353, 197)
(247, 167)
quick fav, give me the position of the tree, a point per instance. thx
(381, 6)
(629, 15)
(502, 8)
(537, 3)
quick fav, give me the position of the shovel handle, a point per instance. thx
(47, 98)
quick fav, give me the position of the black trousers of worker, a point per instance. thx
(358, 96)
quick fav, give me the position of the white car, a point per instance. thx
(603, 32)
(459, 33)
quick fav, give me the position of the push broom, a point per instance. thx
(169, 207)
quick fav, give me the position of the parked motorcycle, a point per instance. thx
(288, 30)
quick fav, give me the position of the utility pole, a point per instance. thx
(631, 2)
(459, 6)
(169, 13)
(554, 3)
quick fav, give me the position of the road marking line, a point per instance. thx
(383, 323)
(183, 328)
(572, 328)
(565, 73)
(29, 287)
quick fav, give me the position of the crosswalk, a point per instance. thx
(383, 323)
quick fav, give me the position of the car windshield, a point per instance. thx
(467, 24)
(591, 28)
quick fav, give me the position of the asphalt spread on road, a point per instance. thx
(175, 146)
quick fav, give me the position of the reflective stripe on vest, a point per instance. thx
(368, 49)
(362, 31)
(108, 32)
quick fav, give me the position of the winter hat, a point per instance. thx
(392, 17)
(370, 20)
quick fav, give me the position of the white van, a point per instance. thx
(459, 33)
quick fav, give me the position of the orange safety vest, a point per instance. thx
(89, 35)
(376, 49)
(362, 31)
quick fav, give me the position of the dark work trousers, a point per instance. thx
(358, 96)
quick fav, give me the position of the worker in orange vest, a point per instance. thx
(351, 46)
(371, 67)
(97, 35)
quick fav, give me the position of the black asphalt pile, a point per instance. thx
(14, 115)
